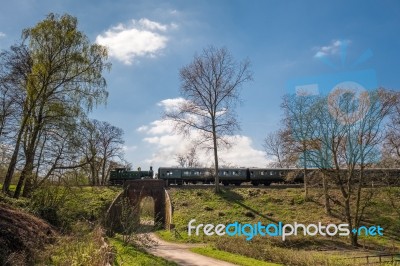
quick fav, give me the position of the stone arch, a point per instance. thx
(134, 192)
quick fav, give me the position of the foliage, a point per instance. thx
(48, 84)
(63, 206)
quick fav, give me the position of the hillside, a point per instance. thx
(61, 225)
(273, 205)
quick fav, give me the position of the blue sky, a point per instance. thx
(151, 40)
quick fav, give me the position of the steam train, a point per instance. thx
(237, 176)
(227, 176)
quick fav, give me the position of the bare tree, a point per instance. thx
(189, 159)
(299, 122)
(344, 142)
(210, 85)
(110, 147)
(277, 145)
(100, 144)
(391, 148)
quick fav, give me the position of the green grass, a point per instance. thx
(63, 206)
(252, 205)
(129, 255)
(230, 257)
(84, 246)
(12, 187)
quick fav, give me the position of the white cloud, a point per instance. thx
(168, 144)
(331, 49)
(142, 129)
(129, 148)
(172, 104)
(139, 38)
(2, 34)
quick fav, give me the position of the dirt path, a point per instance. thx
(181, 254)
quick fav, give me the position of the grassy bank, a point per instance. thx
(130, 255)
(230, 257)
(252, 205)
(76, 213)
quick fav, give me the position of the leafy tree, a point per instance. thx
(210, 85)
(64, 79)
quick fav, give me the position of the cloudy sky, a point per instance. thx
(149, 41)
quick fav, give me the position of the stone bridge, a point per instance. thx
(124, 212)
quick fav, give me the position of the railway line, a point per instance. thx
(207, 186)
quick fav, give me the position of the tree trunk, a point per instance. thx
(14, 158)
(103, 169)
(26, 177)
(326, 195)
(305, 184)
(93, 173)
(30, 152)
(353, 237)
(306, 196)
(217, 188)
(11, 166)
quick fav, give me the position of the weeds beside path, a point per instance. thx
(181, 254)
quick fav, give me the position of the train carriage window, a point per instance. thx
(186, 173)
(225, 173)
(271, 173)
(207, 173)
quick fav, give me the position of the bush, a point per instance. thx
(62, 206)
(47, 201)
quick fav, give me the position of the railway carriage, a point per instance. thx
(179, 176)
(234, 176)
(266, 176)
(197, 175)
(170, 175)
